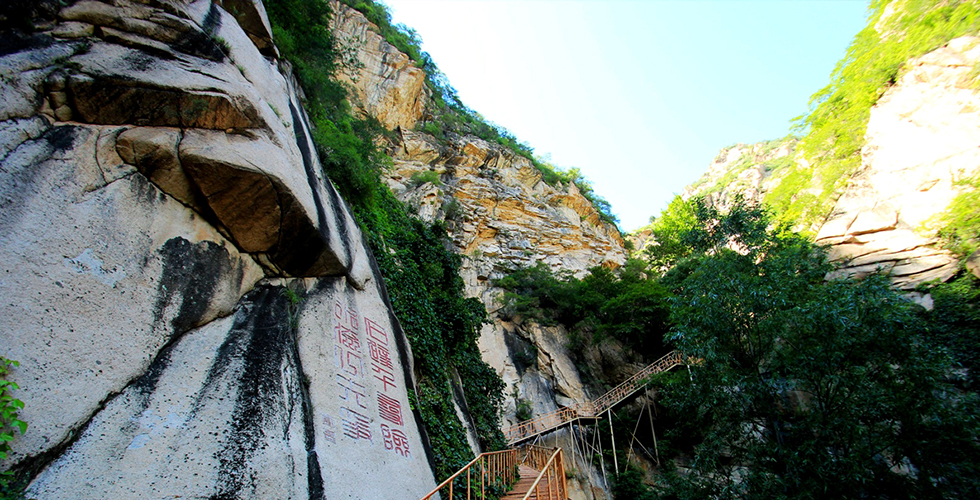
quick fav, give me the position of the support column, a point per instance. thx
(652, 431)
(612, 437)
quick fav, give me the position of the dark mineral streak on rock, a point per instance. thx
(191, 274)
(312, 257)
(262, 337)
(202, 43)
(17, 178)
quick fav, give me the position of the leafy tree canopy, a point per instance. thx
(806, 388)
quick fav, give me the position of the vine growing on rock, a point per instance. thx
(420, 271)
(9, 423)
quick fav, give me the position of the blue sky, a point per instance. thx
(640, 95)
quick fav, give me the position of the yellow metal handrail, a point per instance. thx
(497, 468)
(590, 409)
(553, 473)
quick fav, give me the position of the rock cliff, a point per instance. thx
(921, 143)
(193, 308)
(499, 214)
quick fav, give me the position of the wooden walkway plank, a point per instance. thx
(527, 477)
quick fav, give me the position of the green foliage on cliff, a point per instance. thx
(955, 323)
(9, 425)
(960, 223)
(807, 388)
(422, 277)
(554, 175)
(896, 32)
(754, 156)
(421, 273)
(447, 114)
(622, 305)
(344, 142)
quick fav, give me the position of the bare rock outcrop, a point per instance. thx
(387, 84)
(743, 170)
(922, 141)
(192, 305)
(923, 138)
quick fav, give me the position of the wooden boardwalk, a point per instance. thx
(591, 409)
(527, 477)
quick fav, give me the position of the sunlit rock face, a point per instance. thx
(500, 216)
(191, 303)
(387, 85)
(923, 138)
(742, 169)
(922, 141)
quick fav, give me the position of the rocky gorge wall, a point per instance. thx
(191, 303)
(921, 144)
(500, 215)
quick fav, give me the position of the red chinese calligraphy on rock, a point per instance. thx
(377, 339)
(345, 315)
(351, 391)
(376, 332)
(349, 362)
(396, 440)
(390, 409)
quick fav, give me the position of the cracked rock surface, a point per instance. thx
(159, 193)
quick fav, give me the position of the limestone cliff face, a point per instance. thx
(160, 194)
(500, 215)
(387, 85)
(922, 140)
(743, 169)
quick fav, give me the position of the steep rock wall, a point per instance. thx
(160, 195)
(921, 142)
(500, 215)
(923, 138)
(387, 85)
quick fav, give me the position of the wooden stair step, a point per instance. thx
(527, 477)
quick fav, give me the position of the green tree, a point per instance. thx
(807, 388)
(691, 228)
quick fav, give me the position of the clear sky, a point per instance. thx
(640, 95)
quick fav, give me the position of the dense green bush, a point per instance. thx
(9, 423)
(419, 178)
(807, 388)
(960, 223)
(622, 305)
(955, 322)
(422, 276)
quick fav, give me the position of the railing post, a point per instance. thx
(483, 472)
(564, 481)
(468, 484)
(548, 474)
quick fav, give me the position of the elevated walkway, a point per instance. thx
(525, 473)
(592, 409)
(533, 472)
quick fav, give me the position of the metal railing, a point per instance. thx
(590, 409)
(550, 483)
(496, 470)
